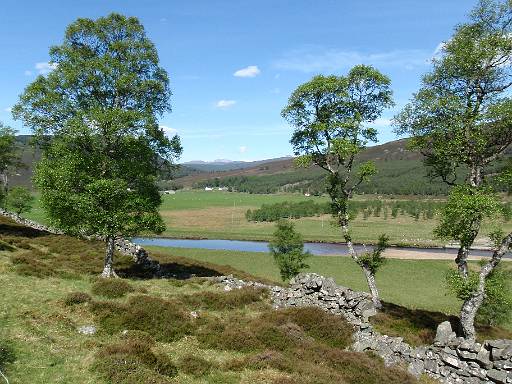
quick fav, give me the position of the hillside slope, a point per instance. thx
(400, 171)
(62, 325)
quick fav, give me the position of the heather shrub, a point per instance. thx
(75, 298)
(111, 288)
(165, 320)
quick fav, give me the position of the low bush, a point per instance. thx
(325, 328)
(217, 301)
(7, 354)
(321, 364)
(30, 264)
(75, 298)
(6, 246)
(165, 320)
(277, 330)
(133, 361)
(111, 288)
(194, 365)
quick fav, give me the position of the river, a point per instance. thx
(318, 249)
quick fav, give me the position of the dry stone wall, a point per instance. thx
(450, 359)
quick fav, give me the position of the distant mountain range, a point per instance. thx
(220, 165)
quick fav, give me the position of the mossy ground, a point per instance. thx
(184, 330)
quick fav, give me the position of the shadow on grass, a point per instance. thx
(10, 228)
(418, 326)
(181, 268)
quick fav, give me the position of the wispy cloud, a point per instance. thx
(168, 130)
(315, 59)
(242, 149)
(250, 71)
(8, 109)
(224, 104)
(28, 73)
(439, 49)
(44, 68)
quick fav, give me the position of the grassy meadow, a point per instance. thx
(221, 215)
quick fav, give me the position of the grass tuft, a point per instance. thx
(218, 301)
(75, 298)
(7, 354)
(194, 365)
(129, 361)
(111, 288)
(165, 320)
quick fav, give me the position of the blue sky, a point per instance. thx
(234, 63)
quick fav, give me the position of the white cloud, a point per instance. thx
(439, 49)
(8, 109)
(44, 67)
(225, 103)
(242, 149)
(250, 71)
(28, 73)
(168, 130)
(315, 59)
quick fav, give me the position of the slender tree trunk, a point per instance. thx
(462, 261)
(471, 305)
(475, 175)
(370, 277)
(108, 269)
(5, 187)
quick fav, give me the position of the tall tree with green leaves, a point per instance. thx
(332, 116)
(9, 159)
(19, 200)
(96, 118)
(461, 120)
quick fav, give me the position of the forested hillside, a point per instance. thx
(400, 171)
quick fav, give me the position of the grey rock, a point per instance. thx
(466, 355)
(497, 376)
(450, 360)
(87, 330)
(432, 366)
(416, 368)
(483, 358)
(444, 334)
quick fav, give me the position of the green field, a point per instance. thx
(221, 215)
(412, 283)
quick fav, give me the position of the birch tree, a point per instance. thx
(95, 117)
(332, 117)
(9, 159)
(461, 120)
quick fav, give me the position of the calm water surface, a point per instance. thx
(319, 249)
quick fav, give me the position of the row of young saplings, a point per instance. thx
(424, 210)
